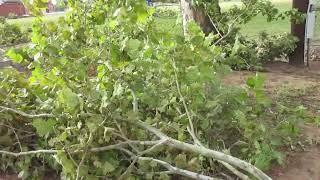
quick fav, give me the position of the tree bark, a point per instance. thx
(197, 14)
(298, 30)
(187, 14)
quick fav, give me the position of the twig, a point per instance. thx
(179, 171)
(139, 155)
(99, 149)
(83, 157)
(134, 102)
(206, 152)
(229, 30)
(29, 132)
(194, 148)
(234, 171)
(214, 25)
(191, 127)
(129, 169)
(122, 135)
(225, 36)
(28, 152)
(27, 115)
(162, 142)
(17, 137)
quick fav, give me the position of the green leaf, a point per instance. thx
(94, 122)
(44, 127)
(68, 100)
(14, 56)
(181, 161)
(108, 167)
(164, 176)
(66, 163)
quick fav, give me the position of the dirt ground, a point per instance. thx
(303, 164)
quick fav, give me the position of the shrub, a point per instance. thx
(166, 12)
(11, 34)
(12, 16)
(253, 53)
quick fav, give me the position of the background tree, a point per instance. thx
(298, 30)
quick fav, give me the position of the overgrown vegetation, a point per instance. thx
(11, 34)
(108, 95)
(167, 12)
(251, 54)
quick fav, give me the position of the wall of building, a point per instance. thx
(16, 8)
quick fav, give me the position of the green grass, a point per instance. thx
(26, 22)
(259, 23)
(317, 30)
(168, 25)
(253, 28)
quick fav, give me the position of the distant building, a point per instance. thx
(17, 8)
(12, 7)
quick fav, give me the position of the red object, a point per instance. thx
(50, 7)
(16, 8)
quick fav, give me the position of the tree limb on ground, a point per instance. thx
(164, 140)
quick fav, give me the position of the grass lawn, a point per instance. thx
(26, 22)
(259, 23)
(253, 28)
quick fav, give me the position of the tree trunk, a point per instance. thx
(197, 14)
(187, 14)
(298, 30)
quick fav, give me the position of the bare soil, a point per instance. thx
(301, 164)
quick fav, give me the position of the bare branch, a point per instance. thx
(225, 36)
(28, 152)
(129, 169)
(121, 144)
(191, 127)
(207, 152)
(123, 136)
(84, 156)
(27, 115)
(162, 142)
(21, 130)
(99, 149)
(179, 171)
(214, 25)
(134, 102)
(230, 28)
(17, 137)
(234, 171)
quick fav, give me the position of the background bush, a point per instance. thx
(11, 34)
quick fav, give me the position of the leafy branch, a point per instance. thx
(164, 140)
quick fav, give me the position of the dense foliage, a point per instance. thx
(251, 54)
(166, 12)
(242, 52)
(104, 76)
(11, 34)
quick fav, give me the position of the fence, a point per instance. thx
(313, 31)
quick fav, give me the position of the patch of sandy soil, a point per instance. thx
(301, 165)
(304, 164)
(48, 176)
(279, 73)
(8, 177)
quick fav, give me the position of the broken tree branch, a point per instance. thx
(206, 152)
(178, 171)
(25, 114)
